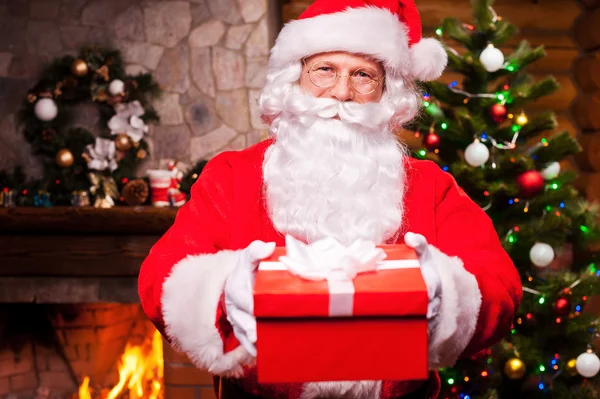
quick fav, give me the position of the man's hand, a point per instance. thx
(428, 269)
(239, 298)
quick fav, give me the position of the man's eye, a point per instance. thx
(324, 69)
(363, 74)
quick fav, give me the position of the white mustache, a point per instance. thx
(305, 108)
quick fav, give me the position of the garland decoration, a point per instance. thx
(75, 162)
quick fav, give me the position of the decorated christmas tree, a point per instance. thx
(513, 165)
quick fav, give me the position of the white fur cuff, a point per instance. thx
(190, 301)
(457, 319)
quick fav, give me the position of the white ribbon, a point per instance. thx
(102, 155)
(329, 260)
(128, 120)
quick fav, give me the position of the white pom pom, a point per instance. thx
(116, 87)
(428, 59)
(541, 254)
(588, 364)
(551, 171)
(477, 153)
(45, 109)
(492, 58)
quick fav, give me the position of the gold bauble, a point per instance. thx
(514, 368)
(522, 119)
(64, 158)
(79, 68)
(141, 154)
(571, 368)
(123, 142)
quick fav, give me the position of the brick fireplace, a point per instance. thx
(69, 309)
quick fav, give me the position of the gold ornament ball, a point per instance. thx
(522, 119)
(79, 68)
(64, 158)
(514, 368)
(571, 368)
(123, 142)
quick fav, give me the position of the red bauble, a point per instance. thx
(498, 113)
(431, 141)
(562, 307)
(530, 183)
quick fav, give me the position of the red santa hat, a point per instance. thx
(390, 31)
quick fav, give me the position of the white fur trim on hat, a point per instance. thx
(366, 30)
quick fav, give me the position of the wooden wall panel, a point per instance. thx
(587, 30)
(586, 107)
(550, 15)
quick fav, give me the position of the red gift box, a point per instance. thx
(382, 335)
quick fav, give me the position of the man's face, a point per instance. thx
(343, 77)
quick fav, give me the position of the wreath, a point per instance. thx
(79, 167)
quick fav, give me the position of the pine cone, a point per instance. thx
(135, 192)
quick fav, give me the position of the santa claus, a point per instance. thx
(340, 82)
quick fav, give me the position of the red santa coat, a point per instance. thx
(182, 279)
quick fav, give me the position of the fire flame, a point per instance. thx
(140, 373)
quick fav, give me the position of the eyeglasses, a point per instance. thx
(363, 80)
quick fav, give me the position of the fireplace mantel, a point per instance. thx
(76, 255)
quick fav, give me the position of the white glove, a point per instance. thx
(430, 274)
(239, 297)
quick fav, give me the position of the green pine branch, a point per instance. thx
(503, 32)
(460, 64)
(545, 121)
(519, 59)
(457, 31)
(531, 94)
(482, 16)
(557, 147)
(442, 93)
(471, 123)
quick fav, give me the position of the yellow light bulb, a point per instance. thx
(522, 119)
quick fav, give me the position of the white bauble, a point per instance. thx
(45, 109)
(116, 87)
(492, 58)
(551, 171)
(588, 364)
(541, 254)
(477, 153)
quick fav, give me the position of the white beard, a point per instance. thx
(329, 178)
(335, 178)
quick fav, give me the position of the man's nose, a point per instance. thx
(342, 89)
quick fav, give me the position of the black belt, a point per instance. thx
(229, 390)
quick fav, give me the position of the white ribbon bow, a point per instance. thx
(327, 259)
(127, 120)
(102, 155)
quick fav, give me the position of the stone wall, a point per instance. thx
(209, 56)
